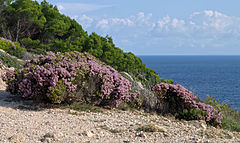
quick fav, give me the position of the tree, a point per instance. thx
(23, 19)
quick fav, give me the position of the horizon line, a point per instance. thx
(187, 55)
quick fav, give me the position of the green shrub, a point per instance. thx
(192, 114)
(58, 92)
(13, 48)
(148, 128)
(34, 46)
(9, 61)
(231, 118)
(230, 124)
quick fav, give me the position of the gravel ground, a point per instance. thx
(68, 126)
(2, 84)
(20, 123)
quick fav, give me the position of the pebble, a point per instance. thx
(140, 134)
(88, 134)
(16, 139)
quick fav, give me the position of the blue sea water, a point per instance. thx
(218, 76)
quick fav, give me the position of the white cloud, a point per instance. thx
(85, 21)
(165, 20)
(177, 23)
(200, 30)
(60, 7)
(103, 24)
(80, 7)
(132, 23)
(209, 13)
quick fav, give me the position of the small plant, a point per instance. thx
(85, 108)
(104, 127)
(98, 121)
(21, 107)
(9, 61)
(115, 131)
(228, 137)
(231, 118)
(192, 114)
(12, 48)
(148, 128)
(73, 113)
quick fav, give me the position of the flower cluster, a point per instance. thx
(185, 99)
(68, 76)
(6, 40)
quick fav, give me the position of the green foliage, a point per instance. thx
(231, 118)
(9, 61)
(228, 123)
(192, 114)
(30, 108)
(21, 19)
(34, 46)
(149, 128)
(12, 48)
(114, 131)
(85, 107)
(41, 27)
(58, 92)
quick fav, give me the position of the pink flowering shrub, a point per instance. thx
(181, 99)
(67, 77)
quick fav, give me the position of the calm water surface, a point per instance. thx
(218, 76)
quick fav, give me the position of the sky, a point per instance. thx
(161, 27)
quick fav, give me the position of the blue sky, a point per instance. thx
(162, 27)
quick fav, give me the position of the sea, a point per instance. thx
(218, 76)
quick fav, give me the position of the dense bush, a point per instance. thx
(182, 100)
(9, 61)
(13, 48)
(231, 118)
(67, 77)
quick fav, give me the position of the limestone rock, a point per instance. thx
(88, 134)
(162, 129)
(16, 139)
(140, 134)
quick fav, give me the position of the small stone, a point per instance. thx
(126, 141)
(16, 139)
(140, 134)
(203, 125)
(46, 140)
(49, 135)
(88, 134)
(166, 135)
(161, 129)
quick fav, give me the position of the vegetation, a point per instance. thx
(84, 107)
(27, 26)
(41, 28)
(231, 118)
(149, 128)
(9, 61)
(68, 77)
(12, 48)
(186, 105)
